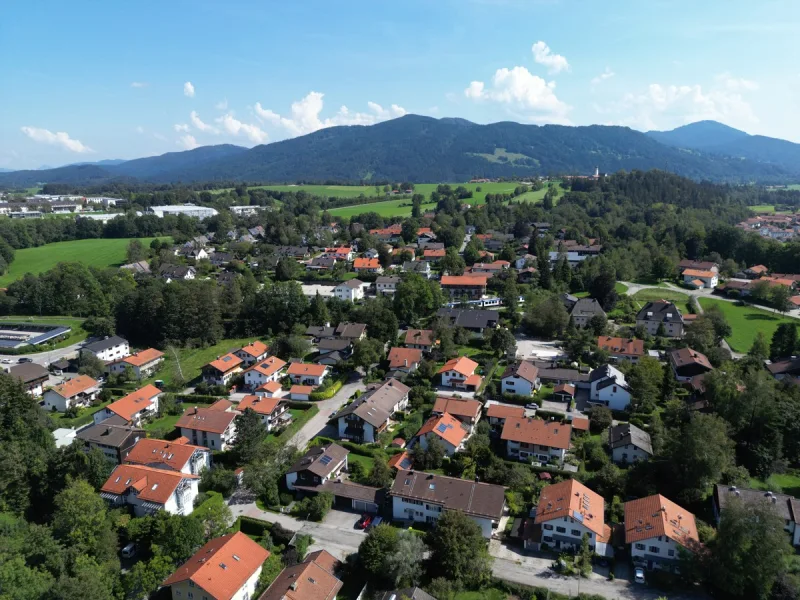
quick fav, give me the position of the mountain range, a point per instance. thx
(424, 149)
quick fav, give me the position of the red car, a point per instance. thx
(364, 522)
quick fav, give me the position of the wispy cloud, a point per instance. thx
(60, 138)
(222, 104)
(199, 124)
(139, 84)
(542, 54)
(181, 127)
(188, 142)
(188, 89)
(235, 127)
(605, 75)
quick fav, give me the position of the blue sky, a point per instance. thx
(85, 81)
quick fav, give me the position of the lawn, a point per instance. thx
(366, 461)
(787, 483)
(103, 252)
(620, 288)
(167, 422)
(193, 359)
(746, 322)
(85, 416)
(487, 594)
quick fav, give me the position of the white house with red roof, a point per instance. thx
(150, 490)
(178, 455)
(451, 432)
(273, 412)
(134, 407)
(253, 352)
(143, 363)
(213, 427)
(655, 529)
(264, 371)
(307, 373)
(222, 370)
(226, 568)
(530, 439)
(460, 373)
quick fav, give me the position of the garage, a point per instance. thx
(364, 507)
(350, 496)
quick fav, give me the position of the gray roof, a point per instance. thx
(352, 283)
(470, 319)
(320, 331)
(470, 497)
(388, 279)
(414, 593)
(377, 404)
(351, 330)
(331, 344)
(622, 435)
(787, 506)
(313, 460)
(665, 312)
(28, 372)
(416, 265)
(587, 307)
(105, 344)
(109, 434)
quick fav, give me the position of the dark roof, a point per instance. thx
(388, 279)
(348, 489)
(660, 310)
(323, 261)
(320, 332)
(109, 434)
(470, 497)
(316, 462)
(174, 271)
(105, 344)
(524, 370)
(376, 404)
(622, 435)
(683, 357)
(416, 265)
(332, 344)
(562, 374)
(587, 307)
(352, 283)
(28, 372)
(787, 507)
(470, 319)
(790, 365)
(351, 330)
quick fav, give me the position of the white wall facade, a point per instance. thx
(254, 378)
(613, 396)
(628, 454)
(121, 350)
(555, 530)
(517, 385)
(448, 447)
(419, 511)
(659, 552)
(369, 430)
(210, 440)
(527, 452)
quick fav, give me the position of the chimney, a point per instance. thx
(195, 410)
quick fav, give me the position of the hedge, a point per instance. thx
(299, 405)
(546, 414)
(330, 391)
(251, 526)
(524, 592)
(195, 398)
(518, 399)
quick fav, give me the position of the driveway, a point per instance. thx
(530, 348)
(318, 425)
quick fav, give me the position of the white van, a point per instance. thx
(129, 551)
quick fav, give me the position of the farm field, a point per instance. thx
(746, 322)
(95, 252)
(389, 208)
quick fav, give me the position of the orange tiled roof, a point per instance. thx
(269, 366)
(74, 386)
(627, 347)
(404, 357)
(270, 386)
(225, 363)
(502, 411)
(222, 566)
(152, 485)
(206, 419)
(260, 404)
(255, 349)
(441, 253)
(422, 337)
(653, 516)
(306, 369)
(461, 365)
(301, 389)
(134, 402)
(572, 499)
(473, 280)
(536, 431)
(458, 407)
(446, 427)
(580, 424)
(699, 273)
(175, 454)
(312, 579)
(366, 263)
(143, 357)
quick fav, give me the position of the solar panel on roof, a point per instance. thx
(325, 460)
(442, 428)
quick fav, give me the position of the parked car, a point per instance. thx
(532, 406)
(6, 361)
(25, 359)
(364, 522)
(375, 522)
(129, 551)
(638, 575)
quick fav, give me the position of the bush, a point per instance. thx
(362, 449)
(280, 535)
(599, 419)
(198, 398)
(219, 480)
(257, 527)
(314, 508)
(326, 393)
(519, 399)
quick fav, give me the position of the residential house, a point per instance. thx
(148, 490)
(471, 286)
(143, 363)
(213, 427)
(700, 278)
(351, 331)
(583, 310)
(108, 349)
(621, 349)
(176, 273)
(33, 377)
(405, 360)
(327, 346)
(701, 265)
(220, 259)
(133, 408)
(521, 379)
(564, 392)
(115, 438)
(785, 369)
(307, 373)
(271, 389)
(252, 353)
(386, 286)
(609, 388)
(226, 568)
(312, 579)
(497, 414)
(369, 415)
(264, 371)
(422, 497)
(179, 456)
(687, 364)
(655, 528)
(466, 410)
(787, 507)
(566, 512)
(321, 263)
(529, 439)
(756, 271)
(420, 339)
(434, 254)
(317, 333)
(661, 317)
(317, 466)
(222, 370)
(522, 261)
(137, 268)
(296, 252)
(420, 267)
(78, 391)
(451, 432)
(460, 373)
(474, 321)
(351, 290)
(274, 413)
(344, 253)
(367, 265)
(492, 268)
(629, 444)
(550, 373)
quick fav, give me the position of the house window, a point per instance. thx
(548, 527)
(640, 546)
(576, 532)
(561, 529)
(670, 552)
(654, 549)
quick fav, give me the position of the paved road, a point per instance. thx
(318, 422)
(45, 358)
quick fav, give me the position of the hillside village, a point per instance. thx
(379, 387)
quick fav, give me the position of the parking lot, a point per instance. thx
(528, 348)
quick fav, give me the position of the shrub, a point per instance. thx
(325, 393)
(257, 527)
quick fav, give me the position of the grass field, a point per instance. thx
(763, 208)
(193, 359)
(679, 299)
(788, 483)
(746, 322)
(96, 252)
(487, 594)
(365, 461)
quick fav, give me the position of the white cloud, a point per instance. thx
(199, 124)
(524, 93)
(666, 106)
(222, 104)
(181, 127)
(234, 127)
(607, 74)
(305, 115)
(188, 142)
(188, 89)
(139, 84)
(60, 138)
(542, 54)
